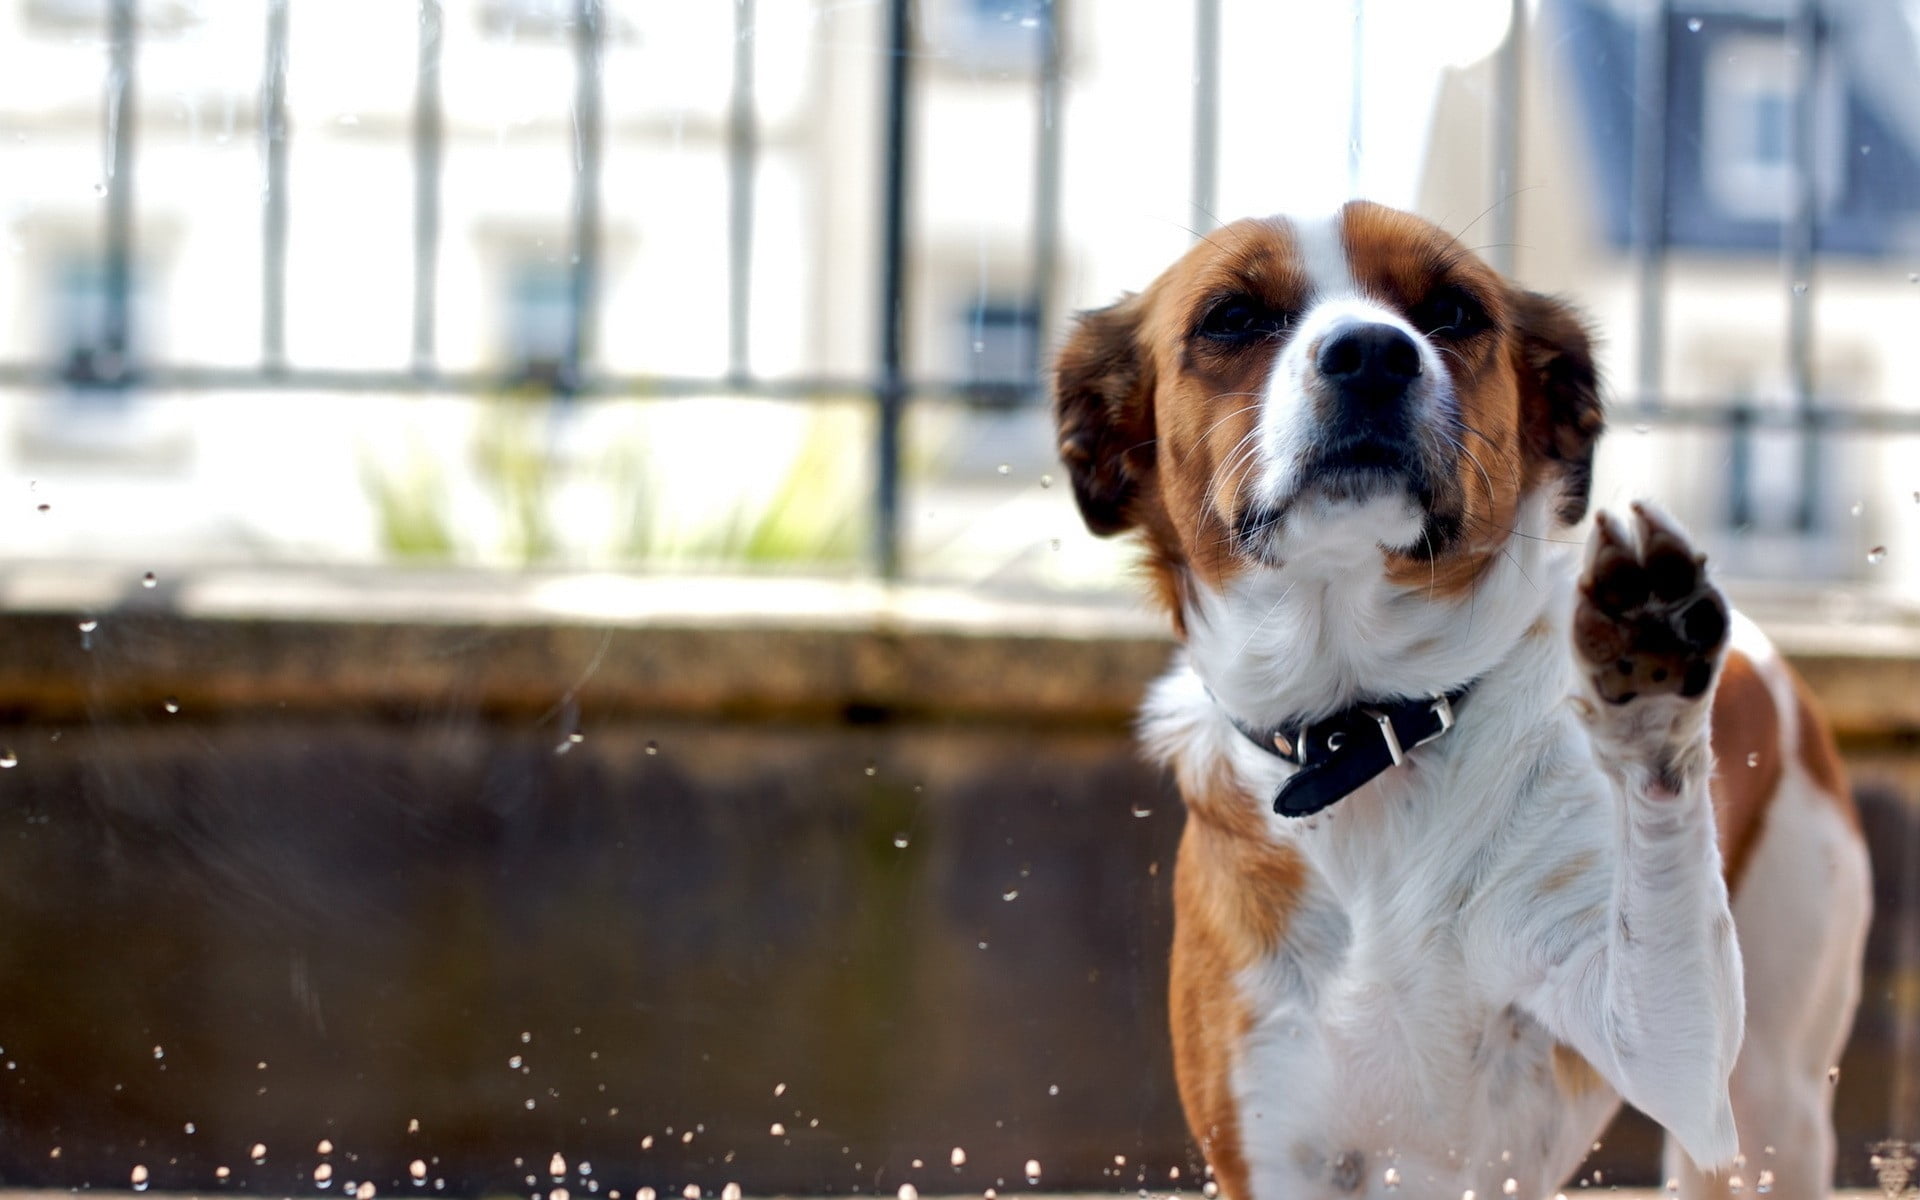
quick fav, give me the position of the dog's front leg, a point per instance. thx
(1654, 1000)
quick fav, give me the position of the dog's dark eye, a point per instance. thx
(1238, 319)
(1449, 313)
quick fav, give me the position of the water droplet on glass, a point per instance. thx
(557, 1167)
(1510, 1188)
(1053, 1089)
(1033, 1170)
(646, 1143)
(1877, 555)
(418, 1169)
(222, 1172)
(1005, 468)
(139, 1176)
(1391, 1178)
(779, 1089)
(686, 1137)
(413, 1125)
(1833, 1074)
(1694, 24)
(870, 770)
(171, 704)
(1053, 543)
(364, 1192)
(1857, 508)
(89, 625)
(526, 1036)
(147, 580)
(1210, 1189)
(1011, 894)
(653, 748)
(1643, 427)
(323, 1174)
(8, 759)
(1142, 809)
(1046, 481)
(900, 841)
(99, 187)
(259, 1152)
(1799, 287)
(691, 1191)
(159, 1052)
(515, 1062)
(531, 1104)
(908, 1192)
(189, 1127)
(1764, 1183)
(777, 1129)
(558, 1194)
(958, 1158)
(1736, 1185)
(1753, 759)
(646, 1193)
(44, 508)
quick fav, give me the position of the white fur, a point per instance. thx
(1428, 930)
(1289, 426)
(1802, 914)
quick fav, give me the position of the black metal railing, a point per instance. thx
(891, 385)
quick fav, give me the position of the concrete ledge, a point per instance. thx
(238, 640)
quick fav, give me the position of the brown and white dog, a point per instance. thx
(1356, 456)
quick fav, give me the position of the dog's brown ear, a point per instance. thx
(1103, 408)
(1560, 394)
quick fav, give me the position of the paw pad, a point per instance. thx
(1647, 621)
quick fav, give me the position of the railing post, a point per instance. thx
(273, 227)
(890, 394)
(1046, 189)
(1652, 65)
(742, 149)
(114, 364)
(1797, 260)
(588, 42)
(426, 188)
(1206, 115)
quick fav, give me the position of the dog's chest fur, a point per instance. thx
(1377, 1039)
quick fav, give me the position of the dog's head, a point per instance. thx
(1360, 386)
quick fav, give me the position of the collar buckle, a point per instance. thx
(1442, 708)
(1387, 735)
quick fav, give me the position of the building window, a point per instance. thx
(1001, 340)
(537, 328)
(1747, 129)
(1003, 35)
(79, 331)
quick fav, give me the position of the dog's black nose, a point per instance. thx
(1370, 360)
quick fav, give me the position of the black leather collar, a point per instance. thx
(1340, 754)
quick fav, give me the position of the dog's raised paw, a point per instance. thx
(1647, 621)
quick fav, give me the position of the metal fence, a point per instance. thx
(890, 384)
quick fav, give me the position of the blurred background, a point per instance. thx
(543, 618)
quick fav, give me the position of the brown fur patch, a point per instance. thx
(1234, 892)
(1747, 761)
(1820, 756)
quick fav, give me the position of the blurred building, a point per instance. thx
(1681, 233)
